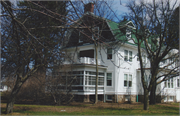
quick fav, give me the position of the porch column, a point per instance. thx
(86, 98)
(84, 80)
(105, 87)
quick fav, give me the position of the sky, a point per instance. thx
(120, 6)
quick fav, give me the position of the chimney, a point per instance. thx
(89, 7)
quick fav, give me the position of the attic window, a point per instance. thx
(95, 33)
(81, 36)
(128, 33)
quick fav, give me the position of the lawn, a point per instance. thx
(91, 109)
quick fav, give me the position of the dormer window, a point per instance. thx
(81, 36)
(128, 33)
(95, 33)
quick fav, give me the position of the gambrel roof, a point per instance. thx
(118, 30)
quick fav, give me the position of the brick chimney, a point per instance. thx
(89, 7)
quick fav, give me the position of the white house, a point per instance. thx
(118, 62)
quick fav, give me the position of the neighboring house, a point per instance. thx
(118, 64)
(3, 87)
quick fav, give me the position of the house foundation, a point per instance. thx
(125, 98)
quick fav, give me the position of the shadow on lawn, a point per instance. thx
(18, 109)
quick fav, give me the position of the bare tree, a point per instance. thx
(26, 51)
(154, 35)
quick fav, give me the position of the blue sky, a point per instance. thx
(120, 7)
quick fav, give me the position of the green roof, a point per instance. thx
(120, 34)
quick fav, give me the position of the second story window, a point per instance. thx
(178, 85)
(137, 56)
(169, 83)
(109, 53)
(109, 79)
(127, 55)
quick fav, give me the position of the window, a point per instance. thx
(130, 56)
(87, 53)
(128, 33)
(81, 36)
(127, 97)
(109, 53)
(108, 97)
(165, 84)
(178, 83)
(127, 80)
(127, 55)
(169, 83)
(78, 80)
(109, 79)
(90, 78)
(95, 34)
(171, 98)
(130, 80)
(137, 56)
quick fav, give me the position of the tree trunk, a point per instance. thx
(96, 89)
(146, 100)
(153, 94)
(10, 103)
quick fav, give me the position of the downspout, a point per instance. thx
(136, 98)
(117, 69)
(105, 86)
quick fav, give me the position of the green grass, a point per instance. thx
(159, 109)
